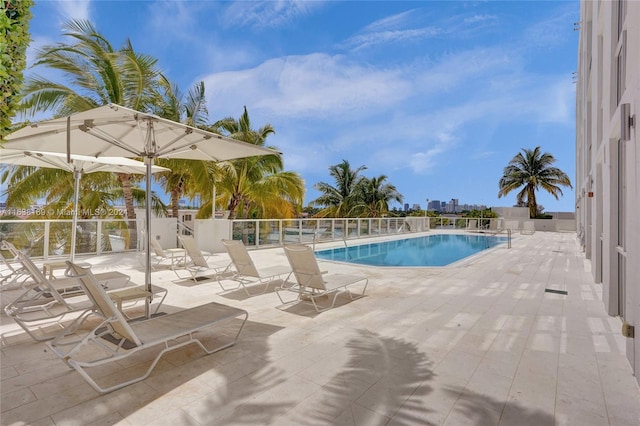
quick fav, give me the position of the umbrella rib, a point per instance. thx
(100, 134)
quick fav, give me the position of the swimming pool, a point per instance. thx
(430, 250)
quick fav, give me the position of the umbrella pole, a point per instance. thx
(147, 239)
(77, 174)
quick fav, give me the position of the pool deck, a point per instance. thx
(476, 343)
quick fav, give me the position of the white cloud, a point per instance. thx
(552, 31)
(268, 14)
(416, 25)
(74, 9)
(316, 85)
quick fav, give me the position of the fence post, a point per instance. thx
(45, 249)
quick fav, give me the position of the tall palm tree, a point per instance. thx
(257, 185)
(98, 75)
(338, 200)
(183, 175)
(373, 196)
(532, 170)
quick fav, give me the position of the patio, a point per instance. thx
(476, 343)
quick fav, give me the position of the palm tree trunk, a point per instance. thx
(533, 205)
(233, 203)
(175, 202)
(125, 180)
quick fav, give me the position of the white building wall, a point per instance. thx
(607, 181)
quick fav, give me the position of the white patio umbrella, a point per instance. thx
(113, 130)
(78, 165)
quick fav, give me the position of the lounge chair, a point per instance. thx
(528, 227)
(472, 225)
(67, 287)
(114, 340)
(49, 302)
(495, 226)
(41, 310)
(246, 273)
(312, 284)
(12, 274)
(198, 267)
(171, 258)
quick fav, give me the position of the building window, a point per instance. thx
(186, 218)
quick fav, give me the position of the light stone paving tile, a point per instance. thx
(543, 342)
(575, 411)
(432, 401)
(472, 410)
(47, 421)
(444, 339)
(458, 364)
(517, 414)
(7, 372)
(320, 408)
(388, 394)
(44, 407)
(474, 343)
(123, 401)
(500, 363)
(355, 415)
(510, 341)
(34, 377)
(219, 407)
(279, 400)
(179, 396)
(176, 417)
(10, 400)
(537, 362)
(47, 388)
(108, 420)
(580, 416)
(486, 384)
(533, 390)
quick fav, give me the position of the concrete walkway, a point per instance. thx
(476, 343)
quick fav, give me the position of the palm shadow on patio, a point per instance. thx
(381, 375)
(221, 377)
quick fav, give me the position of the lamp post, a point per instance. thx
(426, 211)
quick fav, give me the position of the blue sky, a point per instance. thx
(436, 95)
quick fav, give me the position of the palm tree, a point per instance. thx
(373, 196)
(532, 169)
(183, 174)
(257, 185)
(338, 200)
(99, 74)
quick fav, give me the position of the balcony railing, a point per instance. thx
(51, 238)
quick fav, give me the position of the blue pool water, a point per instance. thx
(431, 250)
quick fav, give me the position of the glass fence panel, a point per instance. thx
(363, 225)
(244, 231)
(87, 237)
(26, 235)
(115, 236)
(269, 232)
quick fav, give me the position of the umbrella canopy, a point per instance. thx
(77, 164)
(113, 130)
